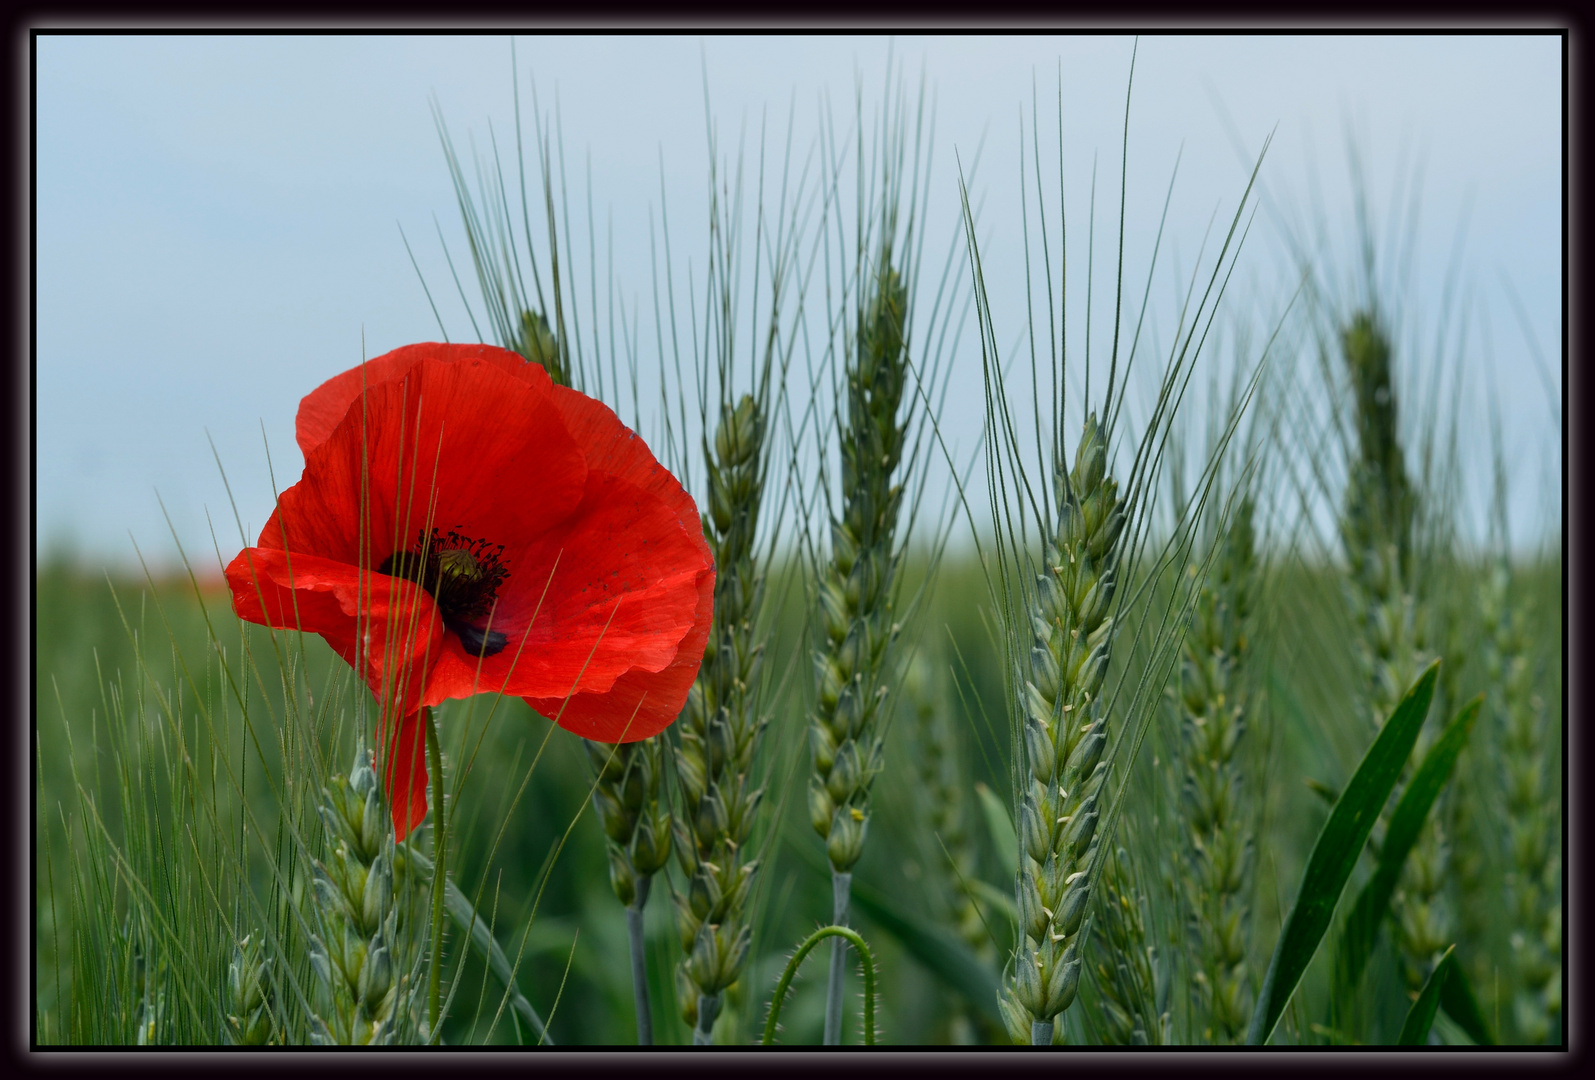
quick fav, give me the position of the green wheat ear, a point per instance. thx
(1532, 803)
(721, 730)
(1216, 805)
(535, 341)
(1379, 530)
(1124, 964)
(1065, 735)
(362, 949)
(251, 1018)
(636, 824)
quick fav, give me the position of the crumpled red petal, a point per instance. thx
(386, 628)
(640, 703)
(402, 759)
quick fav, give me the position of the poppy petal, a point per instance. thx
(387, 628)
(451, 446)
(620, 592)
(611, 447)
(324, 407)
(404, 771)
(640, 704)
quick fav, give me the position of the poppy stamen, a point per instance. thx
(463, 576)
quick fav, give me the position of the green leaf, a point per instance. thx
(1406, 822)
(1459, 1003)
(1000, 825)
(1415, 1030)
(938, 949)
(1335, 854)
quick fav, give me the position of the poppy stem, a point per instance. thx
(434, 755)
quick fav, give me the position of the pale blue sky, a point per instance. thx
(218, 217)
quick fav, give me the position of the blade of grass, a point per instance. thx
(1000, 825)
(1335, 854)
(1356, 943)
(1462, 1006)
(1415, 1029)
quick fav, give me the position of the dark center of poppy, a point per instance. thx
(463, 576)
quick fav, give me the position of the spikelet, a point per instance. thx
(1065, 735)
(636, 824)
(1215, 804)
(250, 1018)
(720, 732)
(535, 341)
(1123, 963)
(362, 956)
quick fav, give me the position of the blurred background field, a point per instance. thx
(85, 653)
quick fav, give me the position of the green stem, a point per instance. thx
(841, 886)
(639, 962)
(434, 755)
(797, 959)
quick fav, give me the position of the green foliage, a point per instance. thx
(1335, 854)
(1402, 834)
(1415, 1028)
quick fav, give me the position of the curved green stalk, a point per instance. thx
(797, 959)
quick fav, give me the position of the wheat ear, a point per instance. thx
(1213, 707)
(360, 950)
(857, 598)
(720, 732)
(1065, 734)
(1532, 805)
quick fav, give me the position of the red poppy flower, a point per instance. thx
(465, 526)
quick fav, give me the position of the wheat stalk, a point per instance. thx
(857, 599)
(637, 837)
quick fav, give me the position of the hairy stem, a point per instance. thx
(797, 959)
